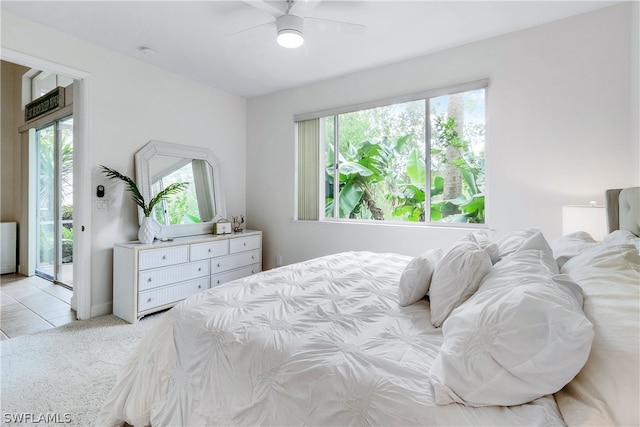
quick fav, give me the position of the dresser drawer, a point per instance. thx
(219, 279)
(170, 294)
(162, 257)
(244, 244)
(208, 250)
(230, 262)
(149, 279)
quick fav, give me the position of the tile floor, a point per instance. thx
(32, 304)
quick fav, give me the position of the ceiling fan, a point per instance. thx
(290, 21)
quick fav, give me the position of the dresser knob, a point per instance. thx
(253, 272)
(199, 286)
(218, 264)
(218, 282)
(245, 244)
(199, 268)
(164, 257)
(253, 257)
(149, 279)
(209, 249)
(149, 300)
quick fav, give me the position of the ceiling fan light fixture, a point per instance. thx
(290, 39)
(290, 33)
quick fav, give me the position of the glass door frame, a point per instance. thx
(56, 275)
(82, 182)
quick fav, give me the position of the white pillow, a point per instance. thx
(416, 277)
(458, 275)
(511, 242)
(520, 337)
(488, 245)
(538, 244)
(533, 258)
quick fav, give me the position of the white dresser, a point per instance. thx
(150, 278)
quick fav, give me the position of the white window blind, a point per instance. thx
(308, 169)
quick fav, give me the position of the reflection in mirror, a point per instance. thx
(195, 204)
(193, 211)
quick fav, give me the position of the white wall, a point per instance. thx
(132, 103)
(559, 131)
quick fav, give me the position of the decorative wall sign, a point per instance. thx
(51, 101)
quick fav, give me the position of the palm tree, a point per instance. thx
(46, 153)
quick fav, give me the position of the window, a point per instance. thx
(416, 159)
(43, 82)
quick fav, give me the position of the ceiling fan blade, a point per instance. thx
(255, 27)
(332, 26)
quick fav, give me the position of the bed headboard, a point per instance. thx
(623, 209)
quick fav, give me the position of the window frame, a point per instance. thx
(422, 95)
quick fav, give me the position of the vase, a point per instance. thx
(146, 233)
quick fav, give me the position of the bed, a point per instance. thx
(516, 331)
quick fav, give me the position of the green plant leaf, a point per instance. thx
(350, 198)
(467, 174)
(135, 193)
(459, 201)
(402, 141)
(328, 207)
(131, 186)
(474, 209)
(374, 157)
(170, 190)
(436, 215)
(190, 218)
(414, 193)
(351, 168)
(403, 210)
(416, 169)
(415, 215)
(437, 185)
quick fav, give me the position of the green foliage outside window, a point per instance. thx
(382, 172)
(46, 176)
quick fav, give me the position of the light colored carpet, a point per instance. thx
(64, 374)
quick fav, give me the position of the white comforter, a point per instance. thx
(323, 342)
(606, 392)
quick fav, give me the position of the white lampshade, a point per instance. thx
(589, 218)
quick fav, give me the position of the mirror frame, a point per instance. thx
(143, 181)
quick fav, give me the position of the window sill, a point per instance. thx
(402, 224)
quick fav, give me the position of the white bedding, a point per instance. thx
(522, 335)
(323, 342)
(606, 392)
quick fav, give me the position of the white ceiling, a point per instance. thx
(192, 39)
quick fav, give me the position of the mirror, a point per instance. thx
(192, 211)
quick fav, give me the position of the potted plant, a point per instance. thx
(145, 233)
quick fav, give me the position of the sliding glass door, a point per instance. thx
(55, 201)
